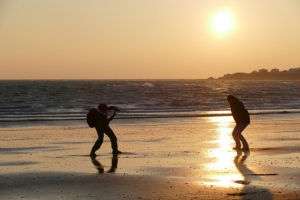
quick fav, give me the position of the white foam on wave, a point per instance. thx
(148, 85)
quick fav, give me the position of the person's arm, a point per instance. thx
(243, 113)
(237, 111)
(113, 115)
(112, 108)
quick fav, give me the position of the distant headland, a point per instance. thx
(263, 74)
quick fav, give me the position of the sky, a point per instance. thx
(146, 39)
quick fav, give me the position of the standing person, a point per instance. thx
(242, 120)
(102, 126)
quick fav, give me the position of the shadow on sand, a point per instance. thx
(249, 191)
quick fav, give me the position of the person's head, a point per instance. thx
(231, 99)
(102, 107)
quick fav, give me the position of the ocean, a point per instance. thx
(33, 101)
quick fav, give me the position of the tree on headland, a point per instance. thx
(264, 74)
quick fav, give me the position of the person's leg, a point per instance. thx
(112, 137)
(239, 131)
(236, 138)
(99, 142)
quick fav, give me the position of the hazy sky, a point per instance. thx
(138, 39)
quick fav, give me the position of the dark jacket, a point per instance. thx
(102, 119)
(239, 112)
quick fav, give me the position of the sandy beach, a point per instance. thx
(177, 81)
(183, 160)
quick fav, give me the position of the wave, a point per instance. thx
(70, 100)
(22, 118)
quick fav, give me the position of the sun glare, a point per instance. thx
(222, 22)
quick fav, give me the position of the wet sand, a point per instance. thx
(161, 161)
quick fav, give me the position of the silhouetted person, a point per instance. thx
(102, 126)
(242, 120)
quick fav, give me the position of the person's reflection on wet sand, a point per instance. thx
(237, 161)
(248, 191)
(97, 164)
(114, 163)
(100, 167)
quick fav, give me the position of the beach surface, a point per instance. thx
(170, 160)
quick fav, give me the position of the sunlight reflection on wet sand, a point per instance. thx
(161, 161)
(224, 156)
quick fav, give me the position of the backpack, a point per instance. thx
(91, 117)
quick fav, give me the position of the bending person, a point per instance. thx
(102, 126)
(242, 120)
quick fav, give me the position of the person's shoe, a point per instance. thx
(245, 149)
(116, 152)
(236, 148)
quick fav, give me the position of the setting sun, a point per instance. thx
(222, 22)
